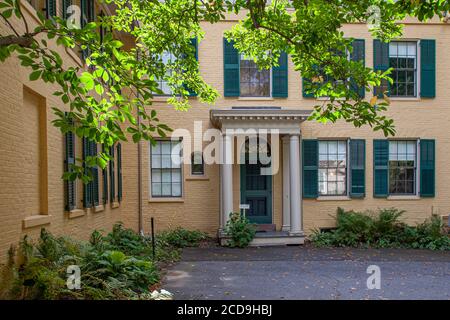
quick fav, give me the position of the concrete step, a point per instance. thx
(265, 227)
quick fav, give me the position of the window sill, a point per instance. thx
(197, 178)
(404, 99)
(99, 208)
(115, 204)
(75, 213)
(334, 198)
(256, 99)
(36, 221)
(166, 200)
(406, 197)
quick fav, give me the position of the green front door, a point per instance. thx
(256, 191)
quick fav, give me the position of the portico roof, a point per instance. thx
(286, 120)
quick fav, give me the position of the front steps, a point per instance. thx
(270, 238)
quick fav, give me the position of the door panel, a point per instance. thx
(256, 191)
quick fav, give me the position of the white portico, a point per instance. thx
(279, 126)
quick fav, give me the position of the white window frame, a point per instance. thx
(254, 97)
(418, 73)
(417, 171)
(347, 170)
(161, 197)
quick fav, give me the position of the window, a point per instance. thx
(333, 168)
(253, 82)
(163, 85)
(197, 165)
(402, 167)
(166, 169)
(403, 59)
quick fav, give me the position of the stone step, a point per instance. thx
(265, 227)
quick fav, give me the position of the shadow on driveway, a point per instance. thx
(308, 273)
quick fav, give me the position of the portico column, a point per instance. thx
(295, 184)
(286, 223)
(227, 178)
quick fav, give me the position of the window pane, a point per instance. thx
(166, 175)
(166, 161)
(156, 161)
(341, 188)
(166, 147)
(156, 189)
(322, 174)
(176, 190)
(156, 175)
(166, 189)
(332, 147)
(176, 175)
(342, 147)
(156, 149)
(323, 147)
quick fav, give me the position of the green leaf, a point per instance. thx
(35, 75)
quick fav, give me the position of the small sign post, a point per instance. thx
(243, 207)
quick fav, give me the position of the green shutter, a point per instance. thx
(194, 43)
(380, 168)
(119, 172)
(84, 13)
(112, 180)
(380, 62)
(427, 168)
(70, 160)
(357, 168)
(95, 182)
(65, 5)
(105, 180)
(280, 77)
(87, 187)
(310, 168)
(50, 7)
(230, 70)
(358, 55)
(428, 68)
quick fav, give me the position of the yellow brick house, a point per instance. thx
(319, 167)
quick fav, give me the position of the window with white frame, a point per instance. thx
(166, 169)
(402, 167)
(253, 82)
(333, 168)
(163, 85)
(403, 60)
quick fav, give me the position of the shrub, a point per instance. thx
(111, 267)
(240, 230)
(181, 238)
(382, 230)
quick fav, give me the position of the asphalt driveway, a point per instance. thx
(308, 273)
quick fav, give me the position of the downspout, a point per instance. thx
(139, 147)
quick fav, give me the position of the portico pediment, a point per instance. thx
(286, 121)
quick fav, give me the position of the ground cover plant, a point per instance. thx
(383, 229)
(118, 265)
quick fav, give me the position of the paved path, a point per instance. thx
(308, 273)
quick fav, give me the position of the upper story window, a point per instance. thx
(403, 60)
(165, 169)
(253, 82)
(333, 168)
(163, 85)
(402, 167)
